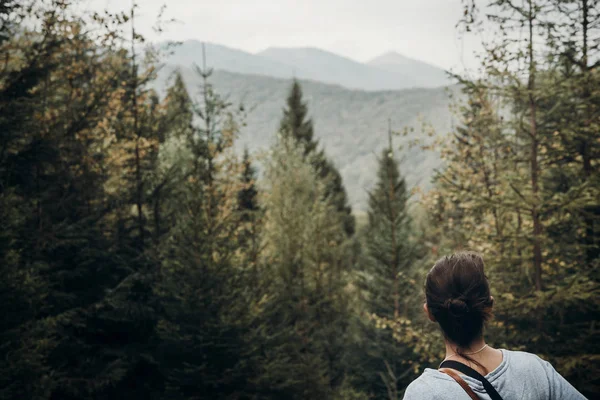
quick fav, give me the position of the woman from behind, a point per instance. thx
(458, 299)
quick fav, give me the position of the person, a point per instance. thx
(458, 299)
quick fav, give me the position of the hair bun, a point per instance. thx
(457, 306)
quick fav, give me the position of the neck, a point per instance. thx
(451, 348)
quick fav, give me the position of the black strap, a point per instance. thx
(473, 374)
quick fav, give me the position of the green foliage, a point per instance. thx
(140, 258)
(295, 125)
(84, 289)
(305, 308)
(519, 185)
(386, 280)
(351, 125)
(387, 238)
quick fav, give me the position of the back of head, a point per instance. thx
(458, 297)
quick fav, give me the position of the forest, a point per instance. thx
(143, 257)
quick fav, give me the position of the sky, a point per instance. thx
(358, 29)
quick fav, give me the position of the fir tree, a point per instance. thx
(247, 197)
(515, 185)
(64, 236)
(249, 235)
(390, 255)
(202, 282)
(302, 325)
(295, 124)
(174, 126)
(388, 242)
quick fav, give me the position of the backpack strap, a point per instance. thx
(493, 393)
(460, 381)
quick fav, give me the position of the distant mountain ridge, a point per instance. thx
(425, 75)
(322, 66)
(390, 71)
(228, 59)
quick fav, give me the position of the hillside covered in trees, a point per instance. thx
(351, 125)
(143, 258)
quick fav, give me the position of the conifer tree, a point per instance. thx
(515, 187)
(388, 235)
(249, 236)
(247, 197)
(573, 42)
(303, 317)
(174, 126)
(295, 124)
(389, 258)
(202, 282)
(65, 232)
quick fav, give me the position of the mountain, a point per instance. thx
(327, 67)
(221, 57)
(388, 72)
(350, 124)
(423, 74)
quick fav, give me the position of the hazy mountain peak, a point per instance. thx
(390, 71)
(424, 74)
(226, 58)
(306, 51)
(325, 66)
(299, 48)
(391, 57)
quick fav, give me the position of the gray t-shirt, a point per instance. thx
(520, 375)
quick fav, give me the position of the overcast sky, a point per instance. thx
(358, 29)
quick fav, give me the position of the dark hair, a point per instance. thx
(458, 297)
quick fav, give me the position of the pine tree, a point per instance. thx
(573, 40)
(202, 283)
(21, 286)
(389, 258)
(249, 236)
(515, 187)
(302, 322)
(295, 124)
(87, 291)
(247, 197)
(173, 126)
(388, 235)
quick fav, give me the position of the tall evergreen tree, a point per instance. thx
(92, 292)
(247, 197)
(303, 319)
(388, 243)
(574, 46)
(515, 186)
(389, 257)
(174, 126)
(249, 236)
(295, 124)
(202, 283)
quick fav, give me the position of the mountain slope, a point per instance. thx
(389, 72)
(226, 58)
(350, 124)
(323, 66)
(423, 74)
